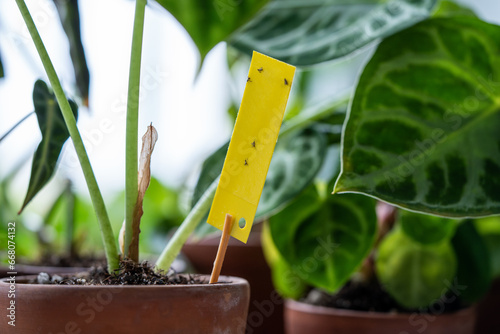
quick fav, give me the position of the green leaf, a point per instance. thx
(474, 267)
(489, 229)
(296, 161)
(306, 32)
(447, 8)
(210, 22)
(414, 274)
(325, 238)
(426, 229)
(422, 132)
(54, 135)
(1, 69)
(285, 280)
(70, 20)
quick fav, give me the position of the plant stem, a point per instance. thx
(16, 125)
(307, 117)
(95, 193)
(187, 227)
(131, 187)
(201, 208)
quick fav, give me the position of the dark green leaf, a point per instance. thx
(423, 127)
(310, 32)
(296, 161)
(70, 19)
(54, 135)
(210, 22)
(474, 267)
(426, 229)
(1, 69)
(489, 229)
(325, 238)
(210, 170)
(414, 274)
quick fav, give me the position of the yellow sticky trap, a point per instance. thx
(252, 144)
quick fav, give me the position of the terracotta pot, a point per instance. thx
(56, 309)
(265, 314)
(303, 318)
(488, 321)
(26, 270)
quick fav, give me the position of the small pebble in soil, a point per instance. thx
(43, 278)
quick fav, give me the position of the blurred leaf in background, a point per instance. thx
(305, 33)
(54, 135)
(473, 259)
(69, 15)
(210, 22)
(489, 229)
(26, 239)
(415, 274)
(286, 281)
(446, 8)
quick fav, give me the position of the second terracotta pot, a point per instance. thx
(154, 309)
(303, 318)
(265, 315)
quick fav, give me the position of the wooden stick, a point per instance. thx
(221, 252)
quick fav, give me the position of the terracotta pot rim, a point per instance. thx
(315, 309)
(225, 281)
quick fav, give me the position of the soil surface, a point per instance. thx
(130, 273)
(367, 297)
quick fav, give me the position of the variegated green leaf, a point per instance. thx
(325, 238)
(414, 274)
(422, 132)
(54, 135)
(211, 22)
(307, 32)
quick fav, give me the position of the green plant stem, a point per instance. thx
(187, 227)
(131, 160)
(95, 194)
(201, 208)
(16, 125)
(310, 116)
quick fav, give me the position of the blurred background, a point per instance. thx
(190, 104)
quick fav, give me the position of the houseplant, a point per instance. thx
(388, 153)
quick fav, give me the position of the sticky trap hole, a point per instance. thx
(242, 222)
